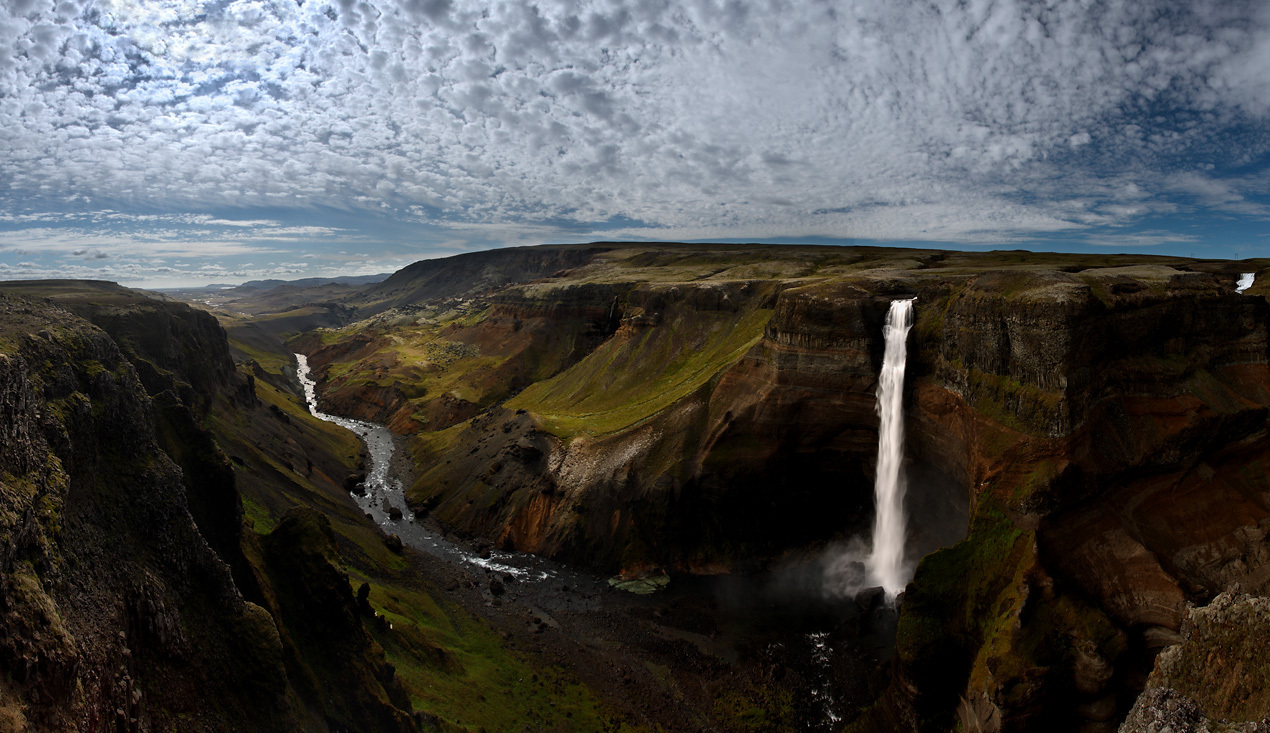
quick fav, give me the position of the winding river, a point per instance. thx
(384, 491)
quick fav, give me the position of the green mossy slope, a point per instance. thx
(644, 370)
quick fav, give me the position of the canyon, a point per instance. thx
(1084, 450)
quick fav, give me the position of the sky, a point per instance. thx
(177, 142)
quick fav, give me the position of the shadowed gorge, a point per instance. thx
(637, 492)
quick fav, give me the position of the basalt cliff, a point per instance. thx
(132, 599)
(1087, 440)
(1086, 457)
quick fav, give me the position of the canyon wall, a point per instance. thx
(493, 348)
(114, 604)
(719, 425)
(1113, 428)
(1087, 443)
(126, 584)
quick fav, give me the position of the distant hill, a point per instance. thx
(475, 272)
(257, 286)
(310, 282)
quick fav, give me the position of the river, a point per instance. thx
(383, 490)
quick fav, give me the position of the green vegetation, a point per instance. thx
(1038, 479)
(464, 674)
(452, 666)
(955, 606)
(761, 710)
(269, 359)
(280, 477)
(968, 623)
(442, 365)
(628, 380)
(1018, 406)
(256, 517)
(952, 585)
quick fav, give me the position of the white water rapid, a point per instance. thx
(886, 563)
(1245, 281)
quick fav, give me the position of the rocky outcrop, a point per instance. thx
(113, 603)
(1218, 671)
(113, 606)
(1161, 709)
(329, 655)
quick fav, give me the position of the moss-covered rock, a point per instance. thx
(114, 605)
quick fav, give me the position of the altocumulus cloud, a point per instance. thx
(486, 123)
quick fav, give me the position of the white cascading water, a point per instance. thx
(1245, 281)
(886, 564)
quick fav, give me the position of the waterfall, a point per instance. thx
(1245, 281)
(886, 564)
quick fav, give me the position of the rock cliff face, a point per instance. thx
(113, 603)
(182, 358)
(1098, 430)
(121, 545)
(1114, 424)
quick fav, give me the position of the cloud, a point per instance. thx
(1229, 196)
(78, 242)
(241, 222)
(1141, 239)
(979, 122)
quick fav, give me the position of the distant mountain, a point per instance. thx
(476, 272)
(310, 282)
